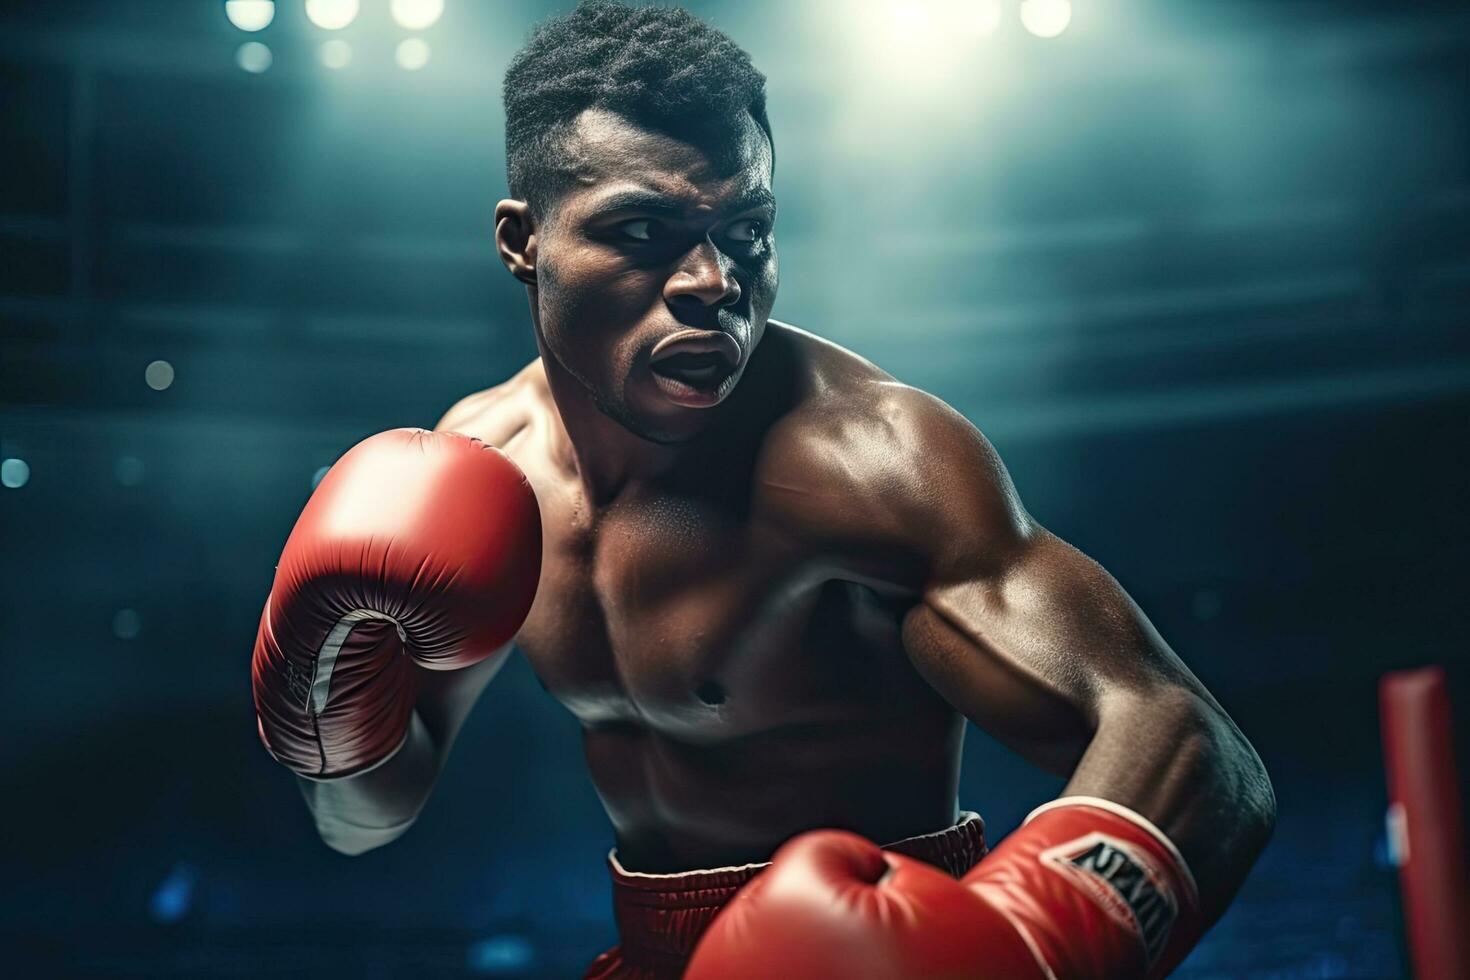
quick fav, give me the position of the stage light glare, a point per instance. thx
(159, 375)
(916, 48)
(331, 15)
(412, 53)
(1046, 18)
(336, 53)
(982, 18)
(14, 473)
(417, 15)
(250, 15)
(319, 475)
(910, 23)
(253, 57)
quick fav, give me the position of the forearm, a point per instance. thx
(358, 813)
(1182, 763)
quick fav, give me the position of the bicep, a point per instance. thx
(1054, 659)
(1031, 649)
(1038, 645)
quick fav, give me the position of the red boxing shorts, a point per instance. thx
(661, 917)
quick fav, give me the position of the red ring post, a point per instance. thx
(1426, 833)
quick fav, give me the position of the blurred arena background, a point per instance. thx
(1200, 271)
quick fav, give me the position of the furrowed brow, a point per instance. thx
(760, 197)
(655, 203)
(636, 200)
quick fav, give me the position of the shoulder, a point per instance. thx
(867, 465)
(495, 414)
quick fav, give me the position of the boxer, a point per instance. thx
(770, 581)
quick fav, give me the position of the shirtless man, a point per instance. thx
(773, 584)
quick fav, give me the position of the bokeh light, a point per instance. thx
(1046, 18)
(336, 53)
(417, 15)
(127, 624)
(250, 15)
(412, 53)
(129, 470)
(254, 57)
(174, 896)
(331, 15)
(14, 473)
(500, 954)
(159, 375)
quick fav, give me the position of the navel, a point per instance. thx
(711, 693)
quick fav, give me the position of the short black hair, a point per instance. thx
(659, 67)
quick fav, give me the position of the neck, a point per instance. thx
(605, 456)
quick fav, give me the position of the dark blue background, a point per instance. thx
(1200, 271)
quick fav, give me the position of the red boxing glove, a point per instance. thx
(1084, 889)
(835, 906)
(416, 542)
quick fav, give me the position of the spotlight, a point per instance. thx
(253, 56)
(250, 15)
(14, 473)
(336, 53)
(1046, 18)
(982, 17)
(412, 53)
(160, 374)
(416, 15)
(331, 15)
(906, 49)
(911, 24)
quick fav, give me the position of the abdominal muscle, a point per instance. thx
(681, 806)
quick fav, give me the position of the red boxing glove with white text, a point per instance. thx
(1085, 889)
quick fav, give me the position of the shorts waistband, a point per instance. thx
(660, 917)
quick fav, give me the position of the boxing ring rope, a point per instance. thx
(1425, 828)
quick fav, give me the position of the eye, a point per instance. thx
(748, 230)
(639, 229)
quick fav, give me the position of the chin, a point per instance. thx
(662, 427)
(672, 431)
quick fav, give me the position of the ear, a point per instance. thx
(515, 239)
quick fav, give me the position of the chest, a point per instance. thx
(701, 611)
(642, 606)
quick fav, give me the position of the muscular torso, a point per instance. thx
(737, 680)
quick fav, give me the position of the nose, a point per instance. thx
(703, 277)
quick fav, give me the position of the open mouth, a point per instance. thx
(702, 371)
(694, 367)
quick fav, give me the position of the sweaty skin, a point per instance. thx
(776, 613)
(738, 678)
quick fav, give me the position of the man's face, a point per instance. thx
(659, 237)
